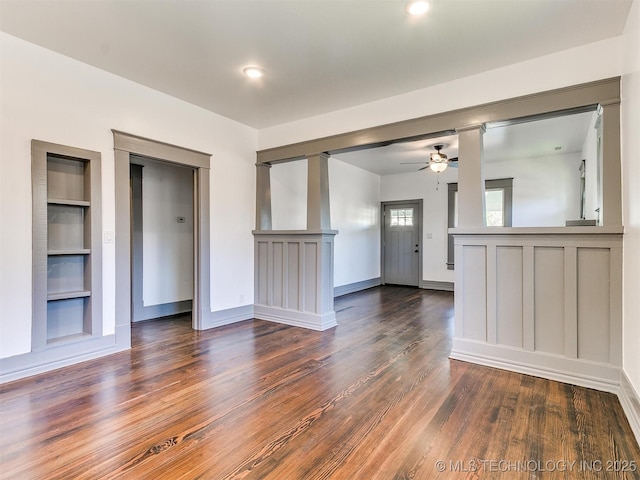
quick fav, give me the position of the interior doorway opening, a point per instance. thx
(162, 239)
(127, 145)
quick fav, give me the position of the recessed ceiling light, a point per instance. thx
(253, 72)
(417, 8)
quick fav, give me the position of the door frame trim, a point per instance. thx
(419, 203)
(126, 144)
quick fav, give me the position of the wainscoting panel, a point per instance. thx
(509, 321)
(475, 303)
(543, 304)
(548, 299)
(310, 288)
(294, 278)
(263, 270)
(279, 267)
(593, 304)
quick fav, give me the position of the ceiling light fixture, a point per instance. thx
(417, 8)
(253, 72)
(438, 167)
(438, 161)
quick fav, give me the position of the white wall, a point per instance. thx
(545, 193)
(355, 213)
(577, 65)
(424, 185)
(546, 190)
(631, 195)
(167, 270)
(354, 197)
(289, 195)
(50, 97)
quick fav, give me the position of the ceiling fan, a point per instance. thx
(438, 161)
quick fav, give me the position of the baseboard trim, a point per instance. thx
(294, 318)
(436, 285)
(552, 367)
(356, 286)
(162, 310)
(33, 363)
(228, 316)
(630, 401)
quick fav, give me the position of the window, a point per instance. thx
(401, 217)
(494, 207)
(498, 197)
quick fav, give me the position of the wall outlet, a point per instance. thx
(429, 236)
(108, 237)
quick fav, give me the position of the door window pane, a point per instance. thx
(401, 217)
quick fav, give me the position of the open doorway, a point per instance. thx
(412, 235)
(126, 146)
(162, 234)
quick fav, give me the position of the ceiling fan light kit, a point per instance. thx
(438, 161)
(438, 167)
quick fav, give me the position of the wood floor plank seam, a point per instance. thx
(242, 470)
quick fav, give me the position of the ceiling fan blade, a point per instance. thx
(426, 166)
(412, 163)
(454, 159)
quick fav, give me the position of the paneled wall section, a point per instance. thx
(545, 305)
(294, 278)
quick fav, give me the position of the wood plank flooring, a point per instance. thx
(374, 398)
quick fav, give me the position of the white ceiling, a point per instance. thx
(527, 140)
(319, 56)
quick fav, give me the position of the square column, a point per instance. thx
(263, 196)
(611, 171)
(470, 177)
(318, 208)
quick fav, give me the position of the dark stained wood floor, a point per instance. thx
(374, 398)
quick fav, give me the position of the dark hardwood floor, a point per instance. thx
(374, 398)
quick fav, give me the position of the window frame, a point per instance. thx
(505, 184)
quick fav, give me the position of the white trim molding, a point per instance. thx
(312, 321)
(594, 375)
(436, 285)
(630, 401)
(228, 316)
(356, 286)
(163, 310)
(33, 363)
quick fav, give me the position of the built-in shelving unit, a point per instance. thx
(66, 244)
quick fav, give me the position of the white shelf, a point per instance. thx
(74, 337)
(69, 203)
(68, 295)
(74, 251)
